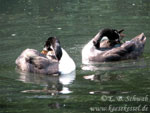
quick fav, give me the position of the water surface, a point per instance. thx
(28, 23)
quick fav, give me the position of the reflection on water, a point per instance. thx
(28, 23)
(53, 84)
(121, 65)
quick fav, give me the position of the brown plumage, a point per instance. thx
(54, 59)
(128, 50)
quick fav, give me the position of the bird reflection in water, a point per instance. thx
(53, 84)
(106, 77)
(101, 77)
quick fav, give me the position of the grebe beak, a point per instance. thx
(120, 33)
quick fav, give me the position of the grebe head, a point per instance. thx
(52, 45)
(111, 34)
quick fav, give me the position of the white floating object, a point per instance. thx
(13, 34)
(92, 92)
(59, 28)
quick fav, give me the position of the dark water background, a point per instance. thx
(28, 23)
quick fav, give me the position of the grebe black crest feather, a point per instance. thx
(111, 34)
(53, 43)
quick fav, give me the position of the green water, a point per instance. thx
(28, 23)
